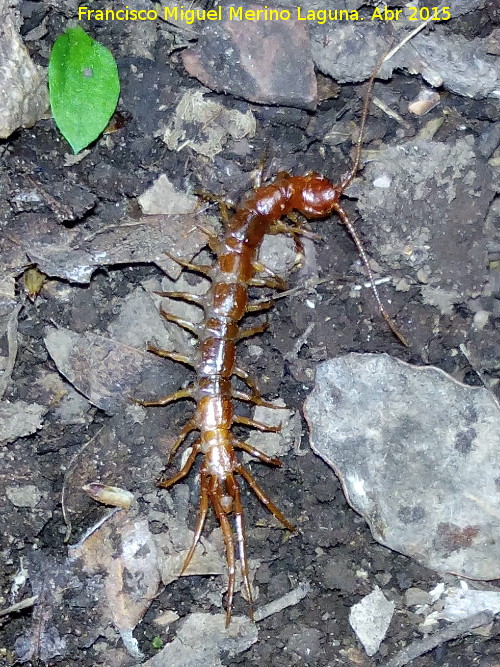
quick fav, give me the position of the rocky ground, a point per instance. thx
(74, 351)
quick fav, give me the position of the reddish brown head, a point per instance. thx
(314, 196)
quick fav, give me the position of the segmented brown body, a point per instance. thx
(224, 305)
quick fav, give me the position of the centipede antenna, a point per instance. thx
(364, 258)
(347, 180)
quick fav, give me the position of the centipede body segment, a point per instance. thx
(262, 211)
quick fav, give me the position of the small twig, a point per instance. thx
(27, 602)
(379, 103)
(69, 471)
(299, 343)
(421, 646)
(62, 211)
(392, 114)
(406, 39)
(287, 600)
(109, 228)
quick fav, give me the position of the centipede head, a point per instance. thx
(316, 197)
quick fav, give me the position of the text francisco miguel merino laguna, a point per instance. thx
(189, 16)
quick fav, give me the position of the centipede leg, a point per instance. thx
(297, 229)
(205, 269)
(268, 282)
(272, 276)
(256, 399)
(256, 453)
(182, 358)
(185, 324)
(251, 331)
(185, 296)
(246, 421)
(215, 493)
(186, 430)
(165, 400)
(250, 382)
(225, 206)
(234, 491)
(264, 499)
(167, 483)
(224, 209)
(200, 522)
(213, 239)
(259, 171)
(258, 306)
(297, 233)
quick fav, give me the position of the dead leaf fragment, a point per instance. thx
(49, 581)
(74, 254)
(8, 325)
(124, 550)
(33, 280)
(213, 125)
(425, 101)
(163, 198)
(104, 370)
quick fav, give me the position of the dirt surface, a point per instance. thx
(443, 292)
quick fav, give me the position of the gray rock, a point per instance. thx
(23, 90)
(418, 455)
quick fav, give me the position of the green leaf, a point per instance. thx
(83, 86)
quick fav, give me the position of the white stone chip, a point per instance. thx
(370, 619)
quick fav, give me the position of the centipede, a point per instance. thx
(277, 207)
